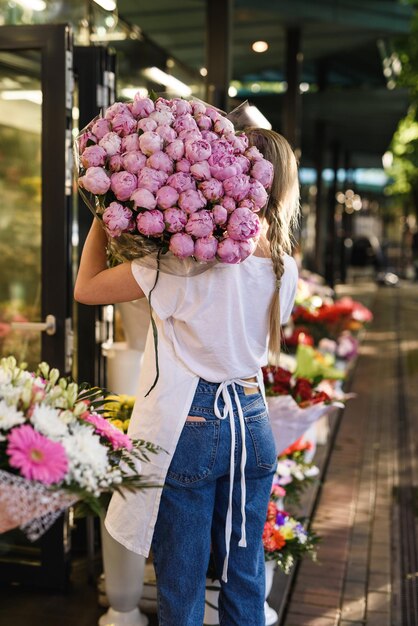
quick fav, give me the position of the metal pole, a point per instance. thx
(292, 101)
(218, 51)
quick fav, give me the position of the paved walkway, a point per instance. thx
(364, 574)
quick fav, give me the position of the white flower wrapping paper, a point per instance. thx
(289, 421)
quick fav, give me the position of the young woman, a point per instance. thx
(207, 411)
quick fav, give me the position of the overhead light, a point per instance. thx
(107, 5)
(255, 88)
(387, 159)
(260, 46)
(34, 5)
(257, 117)
(130, 92)
(232, 91)
(304, 87)
(203, 71)
(33, 95)
(162, 78)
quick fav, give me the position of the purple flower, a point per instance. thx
(253, 153)
(243, 224)
(191, 200)
(130, 143)
(95, 180)
(203, 121)
(112, 143)
(123, 124)
(163, 118)
(101, 127)
(151, 223)
(223, 125)
(229, 251)
(185, 122)
(142, 107)
(151, 179)
(167, 133)
(237, 186)
(220, 214)
(198, 150)
(180, 107)
(201, 171)
(181, 182)
(116, 109)
(280, 519)
(167, 197)
(262, 170)
(150, 142)
(229, 204)
(212, 189)
(205, 248)
(84, 139)
(144, 199)
(117, 219)
(224, 166)
(183, 165)
(258, 194)
(123, 184)
(93, 156)
(115, 163)
(161, 161)
(147, 125)
(133, 161)
(200, 224)
(181, 245)
(175, 149)
(175, 220)
(198, 107)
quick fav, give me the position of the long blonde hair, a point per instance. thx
(281, 213)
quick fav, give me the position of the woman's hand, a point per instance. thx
(96, 284)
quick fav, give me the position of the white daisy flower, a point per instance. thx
(47, 421)
(9, 416)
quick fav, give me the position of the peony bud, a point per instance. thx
(181, 245)
(151, 223)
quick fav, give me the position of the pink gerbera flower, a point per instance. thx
(36, 456)
(112, 434)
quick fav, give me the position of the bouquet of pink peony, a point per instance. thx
(172, 177)
(55, 449)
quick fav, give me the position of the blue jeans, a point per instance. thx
(191, 518)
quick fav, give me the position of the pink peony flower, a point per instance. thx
(84, 139)
(133, 161)
(246, 248)
(220, 214)
(200, 224)
(150, 142)
(151, 223)
(163, 118)
(204, 122)
(212, 189)
(105, 429)
(229, 204)
(181, 245)
(123, 124)
(162, 104)
(35, 456)
(175, 220)
(112, 143)
(237, 186)
(205, 248)
(229, 251)
(175, 149)
(262, 170)
(223, 125)
(208, 135)
(117, 219)
(130, 143)
(161, 161)
(212, 113)
(198, 150)
(181, 107)
(93, 156)
(101, 127)
(221, 147)
(243, 224)
(144, 199)
(253, 153)
(167, 197)
(116, 109)
(115, 163)
(224, 166)
(201, 171)
(181, 182)
(142, 107)
(248, 204)
(183, 165)
(147, 125)
(151, 179)
(95, 180)
(123, 184)
(191, 200)
(258, 194)
(184, 122)
(167, 133)
(190, 135)
(244, 163)
(198, 107)
(238, 142)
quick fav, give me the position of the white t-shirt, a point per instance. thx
(217, 321)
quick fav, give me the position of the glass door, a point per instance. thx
(36, 85)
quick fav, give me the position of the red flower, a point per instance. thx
(298, 446)
(303, 390)
(282, 376)
(272, 538)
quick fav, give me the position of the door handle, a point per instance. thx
(49, 326)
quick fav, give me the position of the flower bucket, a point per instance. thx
(123, 366)
(270, 614)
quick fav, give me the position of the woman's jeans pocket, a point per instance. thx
(195, 453)
(261, 435)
